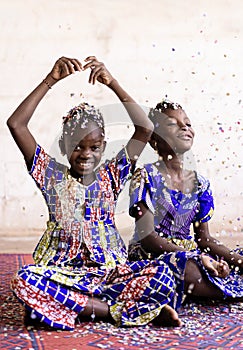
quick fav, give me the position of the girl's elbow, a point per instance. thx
(12, 124)
(9, 123)
(149, 127)
(144, 131)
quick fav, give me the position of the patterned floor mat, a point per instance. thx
(214, 326)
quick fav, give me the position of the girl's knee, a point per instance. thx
(192, 273)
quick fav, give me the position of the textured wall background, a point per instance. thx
(190, 51)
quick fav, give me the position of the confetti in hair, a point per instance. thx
(80, 117)
(161, 108)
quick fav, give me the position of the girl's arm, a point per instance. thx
(150, 240)
(143, 126)
(215, 248)
(18, 121)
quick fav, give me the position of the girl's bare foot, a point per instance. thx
(168, 317)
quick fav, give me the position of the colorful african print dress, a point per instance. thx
(81, 253)
(174, 212)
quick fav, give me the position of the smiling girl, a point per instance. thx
(80, 270)
(167, 199)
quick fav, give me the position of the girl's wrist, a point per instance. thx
(49, 81)
(113, 84)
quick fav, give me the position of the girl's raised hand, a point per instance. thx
(65, 66)
(98, 71)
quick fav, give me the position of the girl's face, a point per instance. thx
(84, 150)
(174, 132)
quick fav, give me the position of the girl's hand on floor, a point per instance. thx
(215, 268)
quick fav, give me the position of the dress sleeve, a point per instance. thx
(205, 201)
(141, 190)
(45, 170)
(39, 166)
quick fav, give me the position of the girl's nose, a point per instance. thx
(85, 153)
(184, 126)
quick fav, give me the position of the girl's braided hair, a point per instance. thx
(79, 117)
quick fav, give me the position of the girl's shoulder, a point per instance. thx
(43, 162)
(146, 175)
(118, 170)
(148, 170)
(115, 160)
(203, 183)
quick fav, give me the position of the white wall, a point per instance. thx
(189, 50)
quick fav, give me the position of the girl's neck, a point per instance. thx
(83, 179)
(171, 164)
(175, 176)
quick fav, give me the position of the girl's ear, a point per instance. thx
(153, 142)
(104, 146)
(62, 146)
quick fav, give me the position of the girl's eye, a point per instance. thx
(79, 148)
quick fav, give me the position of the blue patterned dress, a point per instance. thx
(81, 253)
(174, 212)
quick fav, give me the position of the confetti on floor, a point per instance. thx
(205, 326)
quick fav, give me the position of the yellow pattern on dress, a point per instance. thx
(61, 275)
(210, 214)
(109, 260)
(48, 244)
(140, 320)
(185, 243)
